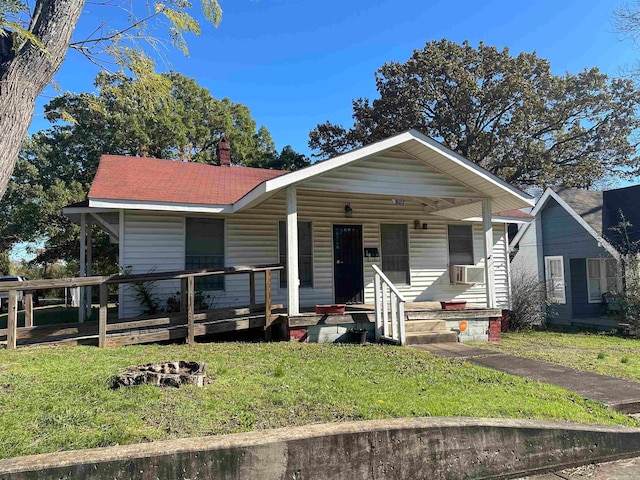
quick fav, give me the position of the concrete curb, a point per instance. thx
(435, 448)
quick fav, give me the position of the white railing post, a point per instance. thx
(403, 336)
(376, 302)
(387, 304)
(395, 329)
(385, 312)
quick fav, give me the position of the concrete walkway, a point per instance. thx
(621, 395)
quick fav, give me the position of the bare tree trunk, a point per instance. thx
(26, 69)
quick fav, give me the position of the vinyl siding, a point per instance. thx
(525, 262)
(389, 175)
(151, 242)
(156, 241)
(563, 236)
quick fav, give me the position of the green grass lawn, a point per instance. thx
(594, 352)
(55, 399)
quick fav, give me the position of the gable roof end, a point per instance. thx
(451, 164)
(586, 206)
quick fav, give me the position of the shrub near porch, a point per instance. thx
(55, 399)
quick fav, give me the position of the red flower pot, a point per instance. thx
(327, 309)
(453, 304)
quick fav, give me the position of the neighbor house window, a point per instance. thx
(460, 245)
(204, 248)
(394, 240)
(602, 277)
(554, 275)
(305, 254)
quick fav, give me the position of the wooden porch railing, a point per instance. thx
(187, 298)
(389, 309)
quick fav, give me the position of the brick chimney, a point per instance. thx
(223, 152)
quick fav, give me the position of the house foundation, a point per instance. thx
(425, 324)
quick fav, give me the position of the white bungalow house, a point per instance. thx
(433, 221)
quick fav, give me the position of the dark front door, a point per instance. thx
(347, 260)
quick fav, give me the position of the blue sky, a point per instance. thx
(297, 63)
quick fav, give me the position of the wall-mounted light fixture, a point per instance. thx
(416, 224)
(348, 211)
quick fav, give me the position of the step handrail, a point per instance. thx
(389, 283)
(389, 309)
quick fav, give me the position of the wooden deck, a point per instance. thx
(186, 324)
(148, 329)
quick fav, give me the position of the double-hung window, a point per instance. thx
(394, 240)
(460, 245)
(602, 277)
(305, 254)
(204, 248)
(554, 276)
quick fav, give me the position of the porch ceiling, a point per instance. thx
(107, 220)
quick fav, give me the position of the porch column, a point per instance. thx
(293, 288)
(89, 290)
(488, 253)
(83, 265)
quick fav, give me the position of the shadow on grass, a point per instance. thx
(50, 315)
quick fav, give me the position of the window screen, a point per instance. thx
(460, 245)
(602, 276)
(554, 274)
(305, 254)
(593, 279)
(394, 240)
(204, 248)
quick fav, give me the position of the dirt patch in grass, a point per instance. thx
(58, 398)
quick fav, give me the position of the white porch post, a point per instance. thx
(488, 253)
(293, 288)
(88, 290)
(83, 265)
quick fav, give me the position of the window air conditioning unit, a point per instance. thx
(467, 275)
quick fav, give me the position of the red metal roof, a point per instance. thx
(154, 180)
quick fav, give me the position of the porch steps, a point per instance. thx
(431, 337)
(420, 331)
(425, 326)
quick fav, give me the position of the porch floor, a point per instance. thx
(365, 312)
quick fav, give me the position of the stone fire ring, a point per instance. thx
(166, 374)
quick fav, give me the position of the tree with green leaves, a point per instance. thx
(287, 159)
(184, 124)
(507, 113)
(36, 36)
(57, 165)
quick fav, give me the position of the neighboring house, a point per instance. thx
(406, 204)
(572, 244)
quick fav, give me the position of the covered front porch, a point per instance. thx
(399, 221)
(424, 322)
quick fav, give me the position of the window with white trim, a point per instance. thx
(305, 254)
(394, 242)
(204, 248)
(460, 238)
(602, 277)
(554, 276)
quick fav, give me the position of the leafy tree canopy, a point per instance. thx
(57, 165)
(183, 124)
(35, 37)
(507, 113)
